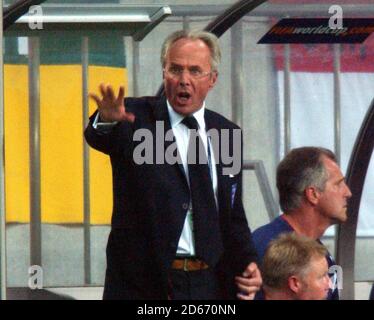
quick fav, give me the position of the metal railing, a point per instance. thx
(2, 173)
(258, 167)
(356, 174)
(34, 140)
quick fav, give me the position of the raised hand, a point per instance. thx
(112, 108)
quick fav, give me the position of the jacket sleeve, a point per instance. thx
(112, 141)
(242, 245)
(243, 248)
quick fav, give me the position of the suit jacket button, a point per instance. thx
(185, 206)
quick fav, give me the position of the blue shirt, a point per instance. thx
(263, 235)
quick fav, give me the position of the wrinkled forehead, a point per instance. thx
(189, 49)
(189, 42)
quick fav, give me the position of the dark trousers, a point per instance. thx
(194, 285)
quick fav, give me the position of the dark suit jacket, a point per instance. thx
(150, 205)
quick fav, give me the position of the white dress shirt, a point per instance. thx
(186, 245)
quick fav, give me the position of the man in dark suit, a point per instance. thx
(179, 229)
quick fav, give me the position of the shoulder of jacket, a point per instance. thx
(223, 121)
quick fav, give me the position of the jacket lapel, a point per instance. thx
(211, 122)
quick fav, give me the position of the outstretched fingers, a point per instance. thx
(95, 97)
(121, 94)
(110, 106)
(128, 116)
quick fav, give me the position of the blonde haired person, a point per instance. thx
(295, 268)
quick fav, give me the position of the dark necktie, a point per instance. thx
(207, 233)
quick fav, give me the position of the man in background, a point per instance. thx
(313, 196)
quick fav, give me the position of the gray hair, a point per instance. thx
(208, 38)
(301, 168)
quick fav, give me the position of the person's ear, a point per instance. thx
(312, 194)
(294, 284)
(213, 79)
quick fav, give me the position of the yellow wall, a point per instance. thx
(16, 130)
(61, 142)
(100, 170)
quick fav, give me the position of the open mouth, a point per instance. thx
(184, 95)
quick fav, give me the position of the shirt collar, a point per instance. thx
(176, 118)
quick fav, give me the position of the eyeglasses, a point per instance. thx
(175, 72)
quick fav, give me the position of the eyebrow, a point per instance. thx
(340, 180)
(174, 64)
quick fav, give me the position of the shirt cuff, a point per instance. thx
(103, 126)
